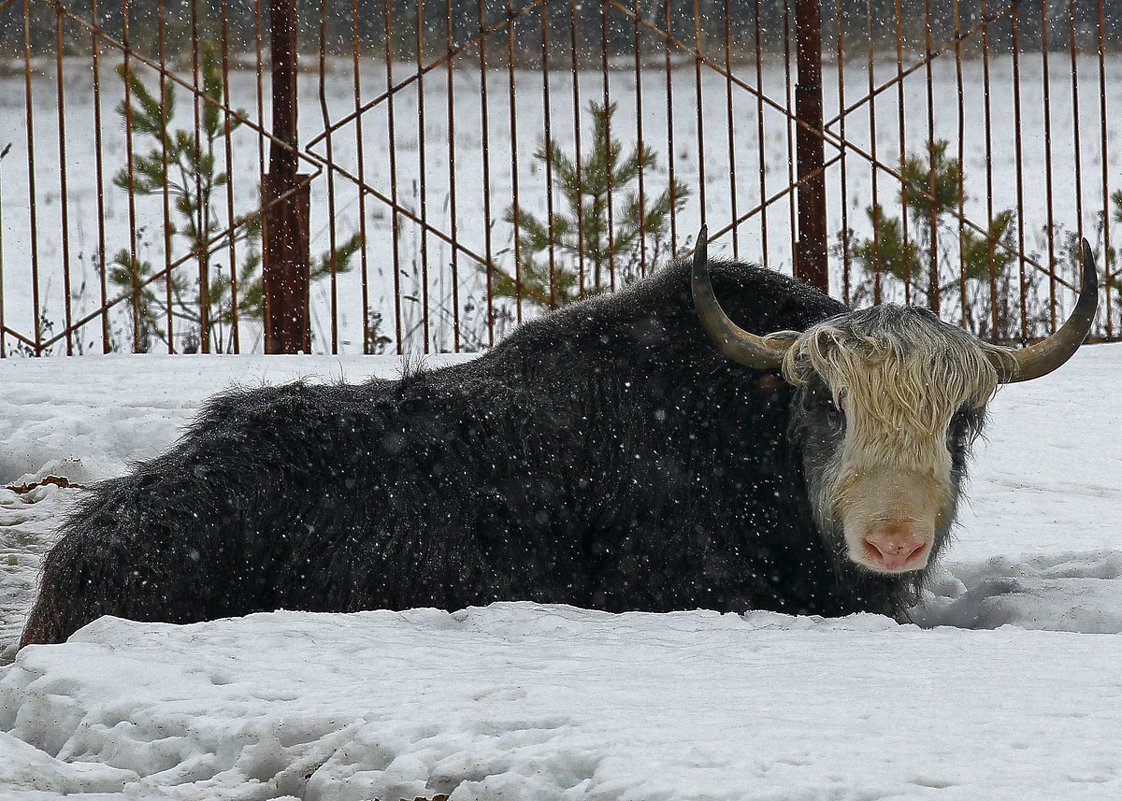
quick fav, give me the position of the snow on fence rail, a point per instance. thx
(965, 144)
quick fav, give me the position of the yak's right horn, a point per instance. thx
(1048, 354)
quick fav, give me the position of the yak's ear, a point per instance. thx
(783, 339)
(751, 350)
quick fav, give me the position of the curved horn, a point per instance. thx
(732, 340)
(1045, 356)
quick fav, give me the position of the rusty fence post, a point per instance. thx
(810, 258)
(286, 198)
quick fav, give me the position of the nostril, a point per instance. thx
(872, 551)
(916, 551)
(893, 551)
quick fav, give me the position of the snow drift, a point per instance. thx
(522, 701)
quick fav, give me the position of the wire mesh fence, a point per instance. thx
(466, 166)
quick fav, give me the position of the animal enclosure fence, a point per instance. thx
(449, 169)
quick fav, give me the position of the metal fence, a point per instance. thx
(459, 167)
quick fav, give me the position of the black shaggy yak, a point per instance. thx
(605, 456)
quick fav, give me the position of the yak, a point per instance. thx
(635, 451)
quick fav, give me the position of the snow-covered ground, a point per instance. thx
(1009, 689)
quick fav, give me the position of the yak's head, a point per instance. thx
(886, 403)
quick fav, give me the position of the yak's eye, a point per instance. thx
(834, 411)
(960, 420)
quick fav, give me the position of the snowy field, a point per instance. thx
(1009, 687)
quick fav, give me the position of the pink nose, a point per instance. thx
(894, 547)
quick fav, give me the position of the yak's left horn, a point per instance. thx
(751, 350)
(1048, 354)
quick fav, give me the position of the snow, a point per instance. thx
(554, 702)
(1008, 687)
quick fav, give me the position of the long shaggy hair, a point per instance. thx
(605, 456)
(904, 369)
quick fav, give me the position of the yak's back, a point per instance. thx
(654, 320)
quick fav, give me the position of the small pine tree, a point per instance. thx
(603, 224)
(1109, 259)
(888, 251)
(184, 164)
(932, 186)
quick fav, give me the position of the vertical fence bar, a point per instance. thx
(137, 345)
(700, 108)
(575, 60)
(64, 198)
(905, 234)
(933, 220)
(99, 169)
(165, 191)
(639, 141)
(514, 164)
(607, 138)
(988, 110)
(1076, 149)
(485, 153)
(843, 166)
(810, 261)
(364, 266)
(1051, 230)
(961, 155)
(286, 200)
(29, 121)
(259, 76)
(1019, 156)
(670, 155)
(789, 129)
(202, 213)
(547, 133)
(761, 154)
(422, 172)
(329, 151)
(3, 330)
(870, 56)
(1105, 161)
(234, 342)
(729, 121)
(395, 219)
(454, 266)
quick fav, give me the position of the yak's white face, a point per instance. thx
(890, 484)
(890, 399)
